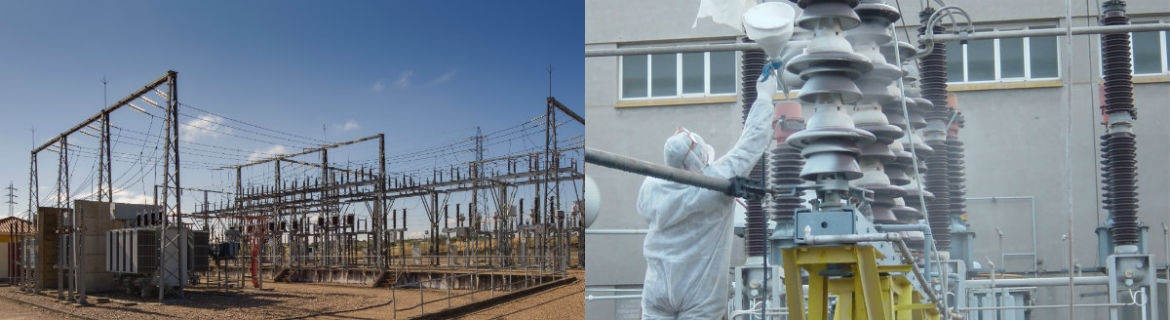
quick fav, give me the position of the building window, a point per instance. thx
(634, 79)
(677, 75)
(1015, 59)
(722, 72)
(956, 70)
(980, 57)
(663, 75)
(1150, 54)
(1011, 58)
(1044, 59)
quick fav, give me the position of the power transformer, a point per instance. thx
(133, 255)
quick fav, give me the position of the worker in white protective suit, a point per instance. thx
(688, 245)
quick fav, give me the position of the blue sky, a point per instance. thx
(425, 73)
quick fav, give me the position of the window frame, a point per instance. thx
(998, 58)
(679, 90)
(1162, 39)
(1165, 51)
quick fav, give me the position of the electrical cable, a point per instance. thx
(252, 125)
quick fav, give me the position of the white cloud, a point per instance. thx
(415, 234)
(206, 126)
(127, 196)
(348, 125)
(120, 196)
(404, 79)
(268, 152)
(444, 78)
(377, 87)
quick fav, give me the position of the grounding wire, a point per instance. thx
(1068, 159)
(914, 156)
(141, 150)
(137, 177)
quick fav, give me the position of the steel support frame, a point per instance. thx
(71, 251)
(359, 188)
(248, 202)
(31, 281)
(171, 207)
(868, 294)
(338, 189)
(1133, 272)
(64, 260)
(551, 199)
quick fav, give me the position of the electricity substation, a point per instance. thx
(127, 207)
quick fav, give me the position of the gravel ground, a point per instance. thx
(287, 300)
(564, 302)
(10, 310)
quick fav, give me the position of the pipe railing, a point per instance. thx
(672, 49)
(646, 168)
(1035, 247)
(1034, 282)
(614, 297)
(927, 241)
(1047, 306)
(616, 231)
(1048, 32)
(611, 290)
(979, 35)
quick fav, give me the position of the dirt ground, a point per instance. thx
(297, 301)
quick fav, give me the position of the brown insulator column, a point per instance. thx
(785, 162)
(934, 88)
(756, 226)
(1119, 145)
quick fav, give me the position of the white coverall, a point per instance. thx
(688, 245)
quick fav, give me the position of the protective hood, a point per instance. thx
(687, 150)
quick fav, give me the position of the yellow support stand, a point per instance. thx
(871, 293)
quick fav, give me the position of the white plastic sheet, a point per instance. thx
(724, 12)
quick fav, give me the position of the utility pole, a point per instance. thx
(478, 163)
(11, 198)
(473, 213)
